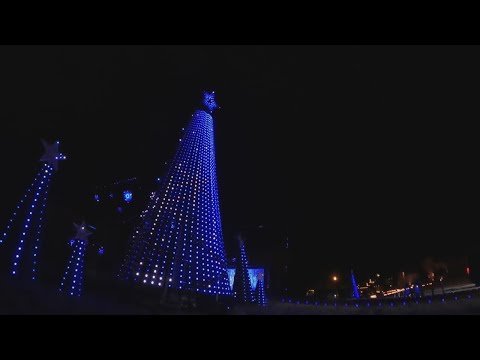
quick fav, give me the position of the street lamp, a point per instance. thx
(335, 281)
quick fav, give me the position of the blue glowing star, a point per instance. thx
(127, 196)
(209, 100)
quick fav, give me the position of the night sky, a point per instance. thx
(365, 156)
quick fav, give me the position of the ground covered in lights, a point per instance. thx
(39, 299)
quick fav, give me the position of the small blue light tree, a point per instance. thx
(260, 297)
(354, 287)
(26, 224)
(242, 288)
(72, 281)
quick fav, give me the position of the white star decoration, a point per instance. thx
(82, 231)
(52, 154)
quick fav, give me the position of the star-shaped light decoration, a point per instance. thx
(209, 100)
(52, 154)
(82, 232)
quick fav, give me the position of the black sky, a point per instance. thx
(364, 155)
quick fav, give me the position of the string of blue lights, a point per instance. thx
(72, 281)
(260, 297)
(34, 216)
(16, 213)
(387, 302)
(24, 228)
(242, 289)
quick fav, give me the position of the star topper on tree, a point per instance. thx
(52, 154)
(82, 231)
(209, 101)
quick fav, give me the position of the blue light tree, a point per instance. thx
(242, 286)
(23, 233)
(72, 281)
(179, 242)
(354, 287)
(260, 297)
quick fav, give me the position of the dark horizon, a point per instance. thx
(363, 155)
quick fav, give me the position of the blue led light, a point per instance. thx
(100, 250)
(127, 196)
(179, 234)
(97, 198)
